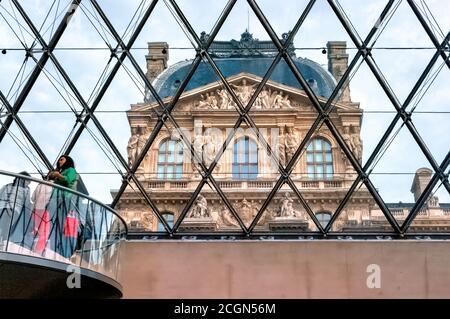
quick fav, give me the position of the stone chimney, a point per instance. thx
(158, 55)
(338, 64)
(421, 180)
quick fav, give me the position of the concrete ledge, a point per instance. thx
(284, 269)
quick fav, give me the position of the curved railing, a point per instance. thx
(45, 220)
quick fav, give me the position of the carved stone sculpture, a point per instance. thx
(282, 147)
(200, 208)
(209, 150)
(226, 102)
(244, 91)
(287, 209)
(131, 149)
(291, 142)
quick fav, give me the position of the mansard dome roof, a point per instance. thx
(248, 55)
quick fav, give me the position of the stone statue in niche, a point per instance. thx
(142, 139)
(200, 208)
(198, 149)
(291, 142)
(209, 149)
(287, 208)
(132, 147)
(349, 141)
(282, 147)
(357, 144)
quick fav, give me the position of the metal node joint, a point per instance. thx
(365, 51)
(406, 116)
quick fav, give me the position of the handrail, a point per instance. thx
(60, 224)
(40, 181)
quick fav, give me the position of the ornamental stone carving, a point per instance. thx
(200, 208)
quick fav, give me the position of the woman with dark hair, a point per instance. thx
(65, 173)
(15, 211)
(63, 210)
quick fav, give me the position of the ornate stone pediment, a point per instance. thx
(214, 96)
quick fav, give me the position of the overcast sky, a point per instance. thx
(400, 67)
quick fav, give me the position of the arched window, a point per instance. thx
(170, 160)
(319, 160)
(169, 219)
(245, 159)
(324, 218)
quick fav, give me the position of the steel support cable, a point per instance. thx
(259, 88)
(182, 26)
(73, 88)
(434, 40)
(301, 146)
(54, 18)
(111, 76)
(434, 19)
(25, 132)
(36, 71)
(21, 82)
(180, 132)
(104, 149)
(19, 73)
(65, 142)
(152, 111)
(61, 83)
(413, 93)
(49, 76)
(21, 70)
(20, 146)
(405, 117)
(95, 27)
(226, 49)
(100, 82)
(438, 175)
(384, 23)
(19, 24)
(319, 107)
(134, 79)
(109, 47)
(241, 111)
(391, 96)
(124, 54)
(128, 29)
(360, 175)
(344, 14)
(434, 25)
(140, 71)
(45, 19)
(12, 29)
(428, 83)
(94, 16)
(383, 150)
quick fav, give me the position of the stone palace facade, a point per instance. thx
(246, 171)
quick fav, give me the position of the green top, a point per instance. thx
(70, 177)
